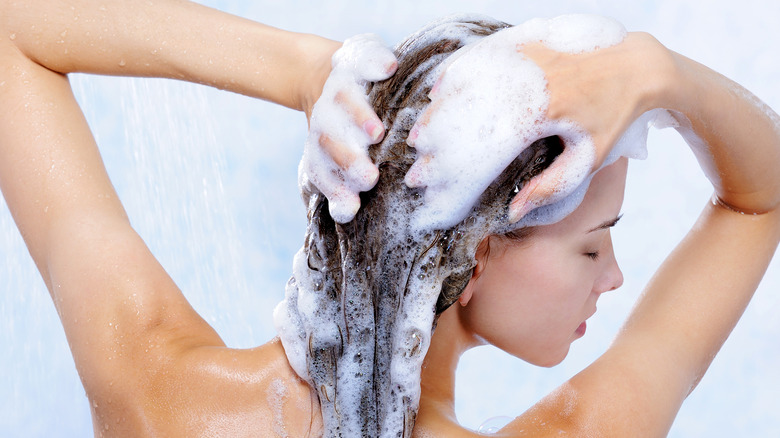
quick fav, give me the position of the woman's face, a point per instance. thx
(531, 298)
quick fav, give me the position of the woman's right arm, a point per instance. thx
(171, 39)
(135, 339)
(697, 296)
(179, 39)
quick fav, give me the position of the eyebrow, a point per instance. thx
(607, 224)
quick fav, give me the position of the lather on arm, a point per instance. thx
(699, 293)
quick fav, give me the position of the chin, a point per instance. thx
(547, 359)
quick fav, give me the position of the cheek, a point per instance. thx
(516, 294)
(529, 303)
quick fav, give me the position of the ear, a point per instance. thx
(483, 251)
(467, 293)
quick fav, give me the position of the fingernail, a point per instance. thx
(411, 179)
(413, 134)
(518, 213)
(392, 67)
(436, 86)
(375, 130)
(373, 175)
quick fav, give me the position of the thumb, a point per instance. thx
(564, 175)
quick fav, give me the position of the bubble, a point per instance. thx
(494, 424)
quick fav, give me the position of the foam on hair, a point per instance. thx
(360, 308)
(491, 104)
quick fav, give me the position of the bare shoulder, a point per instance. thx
(211, 391)
(574, 410)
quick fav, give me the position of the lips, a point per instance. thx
(580, 332)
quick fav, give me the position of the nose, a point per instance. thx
(615, 275)
(611, 277)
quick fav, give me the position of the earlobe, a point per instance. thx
(465, 296)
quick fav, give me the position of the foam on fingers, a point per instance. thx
(489, 105)
(335, 157)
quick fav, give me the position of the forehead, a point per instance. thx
(602, 201)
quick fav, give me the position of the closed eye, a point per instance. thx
(592, 255)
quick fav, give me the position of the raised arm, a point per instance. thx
(135, 339)
(51, 172)
(693, 302)
(171, 39)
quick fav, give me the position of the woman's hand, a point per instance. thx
(602, 92)
(588, 99)
(342, 125)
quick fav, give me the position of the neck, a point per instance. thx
(449, 342)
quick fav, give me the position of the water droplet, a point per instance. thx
(12, 36)
(493, 425)
(122, 63)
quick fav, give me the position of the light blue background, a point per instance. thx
(209, 180)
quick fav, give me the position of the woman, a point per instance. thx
(535, 312)
(187, 366)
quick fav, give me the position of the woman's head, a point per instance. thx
(531, 296)
(364, 296)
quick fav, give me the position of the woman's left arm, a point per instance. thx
(697, 296)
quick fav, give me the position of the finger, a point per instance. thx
(390, 68)
(525, 200)
(563, 176)
(367, 56)
(343, 204)
(356, 168)
(423, 120)
(436, 86)
(362, 114)
(362, 175)
(417, 175)
(339, 152)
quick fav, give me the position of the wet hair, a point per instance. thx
(372, 280)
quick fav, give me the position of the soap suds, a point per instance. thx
(359, 311)
(483, 113)
(360, 60)
(276, 396)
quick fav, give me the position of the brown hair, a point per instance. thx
(364, 274)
